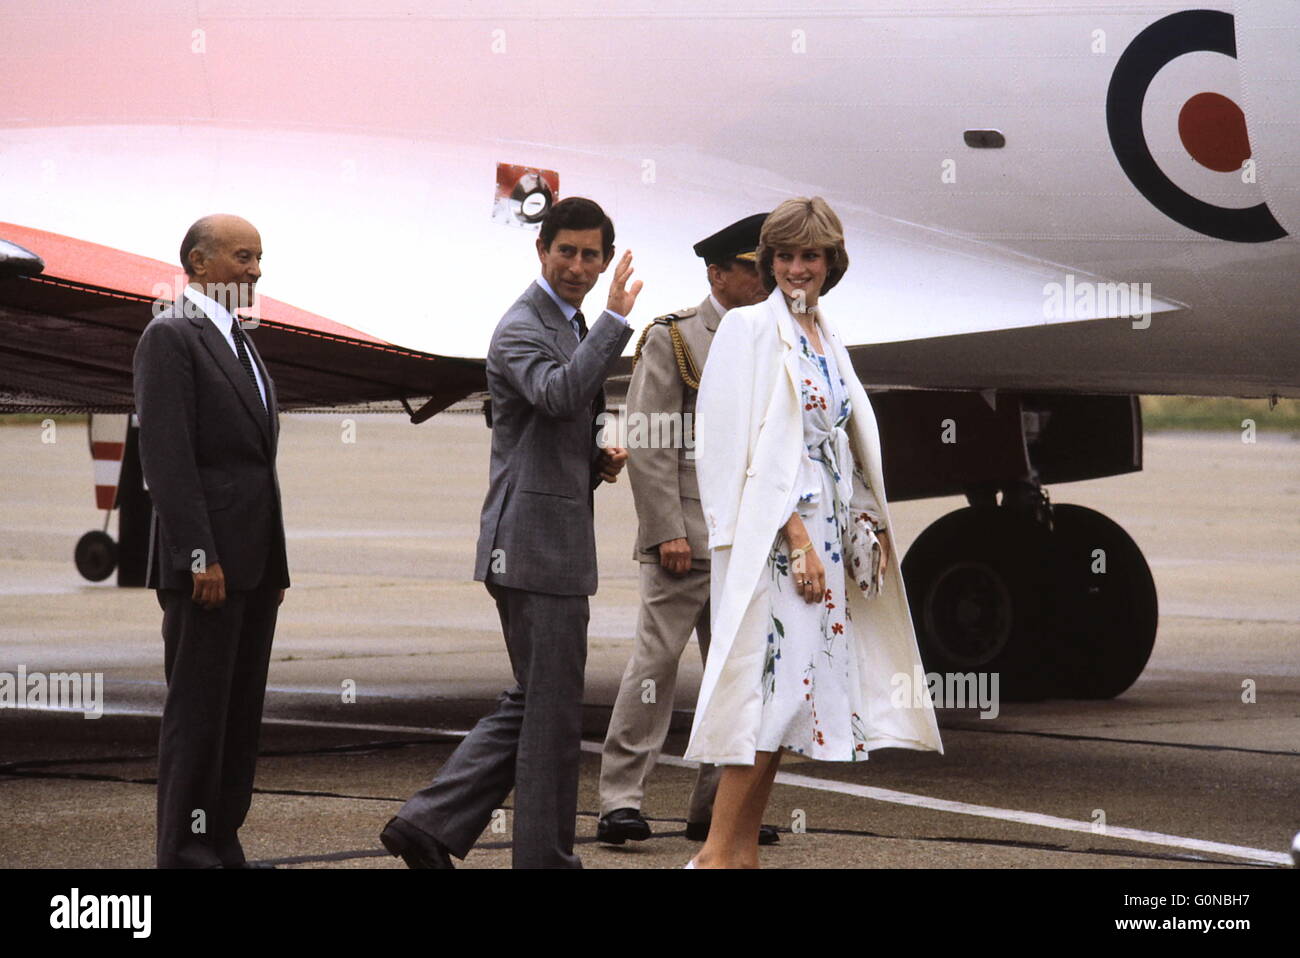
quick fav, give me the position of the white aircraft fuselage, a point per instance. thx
(363, 141)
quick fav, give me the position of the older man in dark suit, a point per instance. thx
(208, 433)
(536, 554)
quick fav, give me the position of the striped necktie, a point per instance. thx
(582, 325)
(245, 360)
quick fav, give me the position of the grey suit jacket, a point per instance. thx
(207, 448)
(536, 530)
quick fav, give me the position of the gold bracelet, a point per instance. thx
(800, 552)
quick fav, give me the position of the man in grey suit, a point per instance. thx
(536, 554)
(209, 428)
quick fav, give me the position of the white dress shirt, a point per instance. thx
(222, 319)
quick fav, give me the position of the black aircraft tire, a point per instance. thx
(978, 586)
(1106, 621)
(96, 555)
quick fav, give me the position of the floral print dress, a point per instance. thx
(810, 684)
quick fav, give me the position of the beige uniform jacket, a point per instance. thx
(660, 436)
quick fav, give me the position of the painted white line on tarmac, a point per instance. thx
(305, 723)
(1260, 855)
(1037, 819)
(360, 727)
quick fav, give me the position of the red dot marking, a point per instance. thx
(1213, 130)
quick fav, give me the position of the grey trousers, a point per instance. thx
(531, 743)
(671, 608)
(216, 663)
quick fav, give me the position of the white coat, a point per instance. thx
(749, 445)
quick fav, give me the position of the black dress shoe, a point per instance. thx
(257, 865)
(699, 831)
(412, 846)
(622, 824)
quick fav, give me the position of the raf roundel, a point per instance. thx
(1211, 127)
(1213, 130)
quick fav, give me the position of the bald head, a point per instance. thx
(222, 257)
(209, 234)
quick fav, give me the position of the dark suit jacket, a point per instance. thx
(536, 530)
(207, 448)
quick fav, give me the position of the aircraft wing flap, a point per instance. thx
(67, 337)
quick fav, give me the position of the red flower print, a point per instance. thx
(837, 628)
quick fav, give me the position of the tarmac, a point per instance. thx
(1196, 766)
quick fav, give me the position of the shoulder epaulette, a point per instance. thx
(685, 361)
(663, 320)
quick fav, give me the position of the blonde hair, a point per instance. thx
(803, 223)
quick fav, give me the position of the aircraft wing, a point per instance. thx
(1181, 353)
(68, 332)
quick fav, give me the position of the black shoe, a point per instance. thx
(251, 865)
(620, 825)
(699, 831)
(414, 847)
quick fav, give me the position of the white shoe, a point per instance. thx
(690, 864)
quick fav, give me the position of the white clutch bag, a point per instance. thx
(865, 555)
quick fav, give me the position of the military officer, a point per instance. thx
(672, 542)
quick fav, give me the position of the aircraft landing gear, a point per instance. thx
(1057, 599)
(96, 555)
(1104, 621)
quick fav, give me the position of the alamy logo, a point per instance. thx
(1085, 299)
(953, 690)
(71, 691)
(242, 295)
(76, 910)
(640, 430)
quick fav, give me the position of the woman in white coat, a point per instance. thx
(809, 651)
